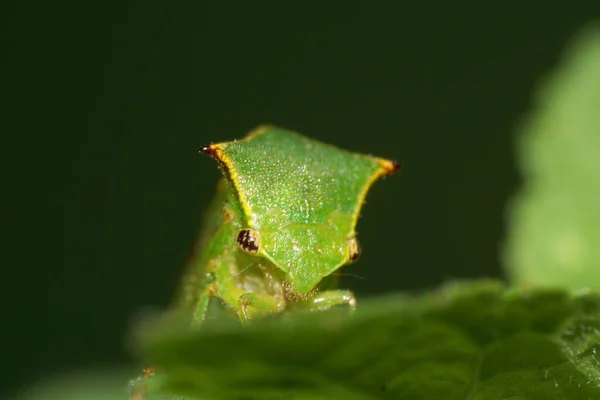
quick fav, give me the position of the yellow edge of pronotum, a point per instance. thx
(215, 149)
(386, 167)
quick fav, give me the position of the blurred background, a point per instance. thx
(109, 103)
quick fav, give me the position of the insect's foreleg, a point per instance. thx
(328, 299)
(202, 305)
(263, 303)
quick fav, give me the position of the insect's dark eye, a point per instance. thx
(353, 249)
(249, 240)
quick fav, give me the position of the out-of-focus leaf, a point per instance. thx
(90, 385)
(467, 341)
(554, 222)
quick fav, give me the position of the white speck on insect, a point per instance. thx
(253, 219)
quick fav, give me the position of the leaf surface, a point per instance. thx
(466, 341)
(554, 220)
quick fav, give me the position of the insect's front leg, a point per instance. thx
(202, 305)
(328, 299)
(262, 303)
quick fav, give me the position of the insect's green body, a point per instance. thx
(282, 222)
(301, 199)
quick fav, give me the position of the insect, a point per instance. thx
(281, 223)
(283, 220)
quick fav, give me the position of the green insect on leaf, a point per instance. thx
(282, 222)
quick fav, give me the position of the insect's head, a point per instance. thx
(306, 253)
(249, 242)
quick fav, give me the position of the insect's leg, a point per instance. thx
(202, 305)
(328, 299)
(262, 303)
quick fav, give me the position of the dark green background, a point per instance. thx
(110, 102)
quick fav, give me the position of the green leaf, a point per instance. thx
(554, 220)
(84, 385)
(466, 341)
